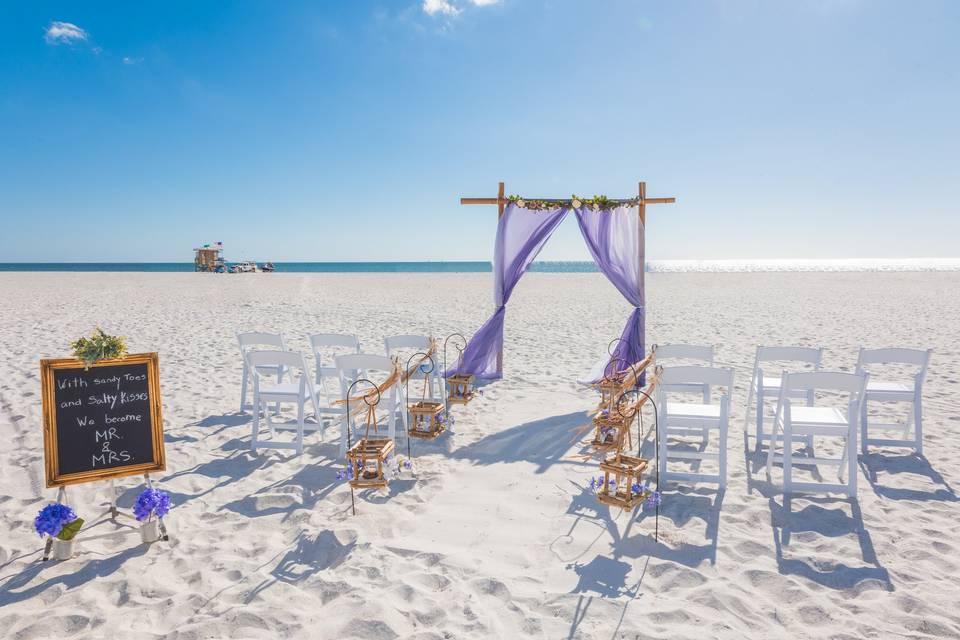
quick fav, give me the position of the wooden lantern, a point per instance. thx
(367, 459)
(425, 420)
(610, 387)
(460, 388)
(625, 490)
(609, 430)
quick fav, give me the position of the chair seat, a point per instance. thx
(692, 410)
(817, 416)
(888, 386)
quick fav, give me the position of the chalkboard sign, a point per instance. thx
(101, 422)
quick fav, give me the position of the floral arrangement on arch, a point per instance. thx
(597, 203)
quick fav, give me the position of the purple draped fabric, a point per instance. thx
(615, 240)
(521, 233)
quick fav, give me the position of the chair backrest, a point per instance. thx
(852, 385)
(839, 381)
(335, 340)
(685, 352)
(361, 364)
(809, 355)
(910, 357)
(917, 357)
(364, 362)
(693, 374)
(291, 362)
(395, 343)
(275, 358)
(327, 346)
(259, 339)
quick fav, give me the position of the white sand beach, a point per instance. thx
(494, 534)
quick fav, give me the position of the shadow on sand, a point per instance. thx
(234, 467)
(309, 555)
(814, 518)
(543, 442)
(18, 587)
(873, 464)
(832, 523)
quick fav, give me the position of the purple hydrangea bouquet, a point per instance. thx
(61, 523)
(151, 502)
(57, 521)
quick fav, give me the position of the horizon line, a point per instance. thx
(845, 259)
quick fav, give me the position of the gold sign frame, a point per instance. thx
(50, 455)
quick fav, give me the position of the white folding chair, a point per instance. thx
(326, 347)
(373, 367)
(880, 390)
(763, 386)
(298, 390)
(686, 353)
(256, 340)
(676, 420)
(807, 421)
(404, 347)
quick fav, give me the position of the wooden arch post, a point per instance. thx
(642, 201)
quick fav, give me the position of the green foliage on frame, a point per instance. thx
(99, 346)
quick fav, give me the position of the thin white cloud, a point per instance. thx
(442, 7)
(64, 33)
(484, 3)
(128, 60)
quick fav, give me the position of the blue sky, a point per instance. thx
(348, 130)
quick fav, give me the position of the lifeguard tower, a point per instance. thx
(209, 258)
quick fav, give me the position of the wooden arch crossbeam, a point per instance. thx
(501, 200)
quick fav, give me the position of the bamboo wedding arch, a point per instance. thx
(641, 200)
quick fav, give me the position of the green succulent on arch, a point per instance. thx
(99, 346)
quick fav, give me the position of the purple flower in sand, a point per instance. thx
(51, 519)
(151, 502)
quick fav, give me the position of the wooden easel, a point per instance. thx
(113, 512)
(501, 201)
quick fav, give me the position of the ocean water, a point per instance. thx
(667, 266)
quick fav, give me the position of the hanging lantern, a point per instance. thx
(426, 416)
(425, 420)
(460, 388)
(609, 430)
(368, 457)
(622, 483)
(610, 387)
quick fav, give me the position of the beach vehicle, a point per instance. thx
(267, 267)
(246, 266)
